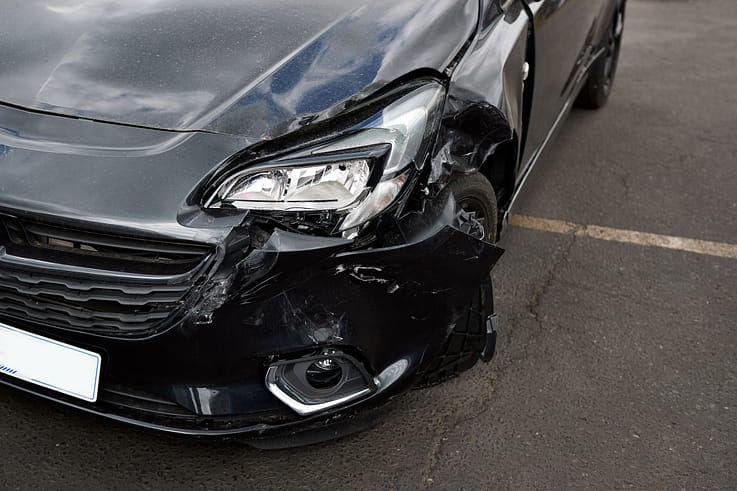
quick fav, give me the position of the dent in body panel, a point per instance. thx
(483, 121)
(248, 270)
(275, 292)
(482, 113)
(252, 69)
(296, 292)
(292, 295)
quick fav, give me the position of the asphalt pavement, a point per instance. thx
(617, 362)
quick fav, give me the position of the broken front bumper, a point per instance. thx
(388, 309)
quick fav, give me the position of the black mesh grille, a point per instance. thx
(92, 282)
(96, 250)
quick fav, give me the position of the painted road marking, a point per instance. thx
(704, 247)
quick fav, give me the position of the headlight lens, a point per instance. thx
(358, 175)
(379, 200)
(328, 187)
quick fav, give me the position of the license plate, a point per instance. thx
(48, 363)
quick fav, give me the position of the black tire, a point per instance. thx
(462, 349)
(595, 92)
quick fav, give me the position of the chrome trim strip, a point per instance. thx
(300, 408)
(20, 262)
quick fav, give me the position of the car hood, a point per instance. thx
(250, 68)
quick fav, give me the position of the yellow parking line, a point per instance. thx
(707, 248)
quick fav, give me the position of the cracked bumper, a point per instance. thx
(290, 298)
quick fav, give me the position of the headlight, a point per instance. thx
(332, 186)
(356, 176)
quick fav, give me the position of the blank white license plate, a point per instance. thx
(42, 361)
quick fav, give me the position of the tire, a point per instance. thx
(595, 92)
(473, 192)
(461, 350)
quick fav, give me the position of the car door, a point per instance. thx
(564, 33)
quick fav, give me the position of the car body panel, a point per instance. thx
(485, 100)
(567, 33)
(44, 155)
(256, 69)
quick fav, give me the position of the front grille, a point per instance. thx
(92, 282)
(96, 250)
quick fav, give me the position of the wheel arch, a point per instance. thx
(489, 101)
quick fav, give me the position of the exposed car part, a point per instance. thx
(476, 333)
(476, 198)
(472, 337)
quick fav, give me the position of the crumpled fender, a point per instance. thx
(301, 292)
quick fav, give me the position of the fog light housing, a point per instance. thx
(317, 383)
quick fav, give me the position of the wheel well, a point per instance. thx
(499, 168)
(483, 131)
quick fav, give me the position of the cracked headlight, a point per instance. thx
(356, 176)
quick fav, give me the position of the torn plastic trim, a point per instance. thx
(470, 134)
(491, 334)
(259, 272)
(329, 294)
(300, 294)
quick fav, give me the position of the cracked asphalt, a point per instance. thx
(617, 364)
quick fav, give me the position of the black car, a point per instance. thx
(241, 216)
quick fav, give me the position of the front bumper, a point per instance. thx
(292, 297)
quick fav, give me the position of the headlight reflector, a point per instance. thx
(327, 187)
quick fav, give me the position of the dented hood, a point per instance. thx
(253, 68)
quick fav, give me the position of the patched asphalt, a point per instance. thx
(617, 364)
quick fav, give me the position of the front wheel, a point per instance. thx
(475, 195)
(468, 339)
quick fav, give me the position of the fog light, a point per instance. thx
(317, 383)
(324, 374)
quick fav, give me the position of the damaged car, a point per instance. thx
(269, 218)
